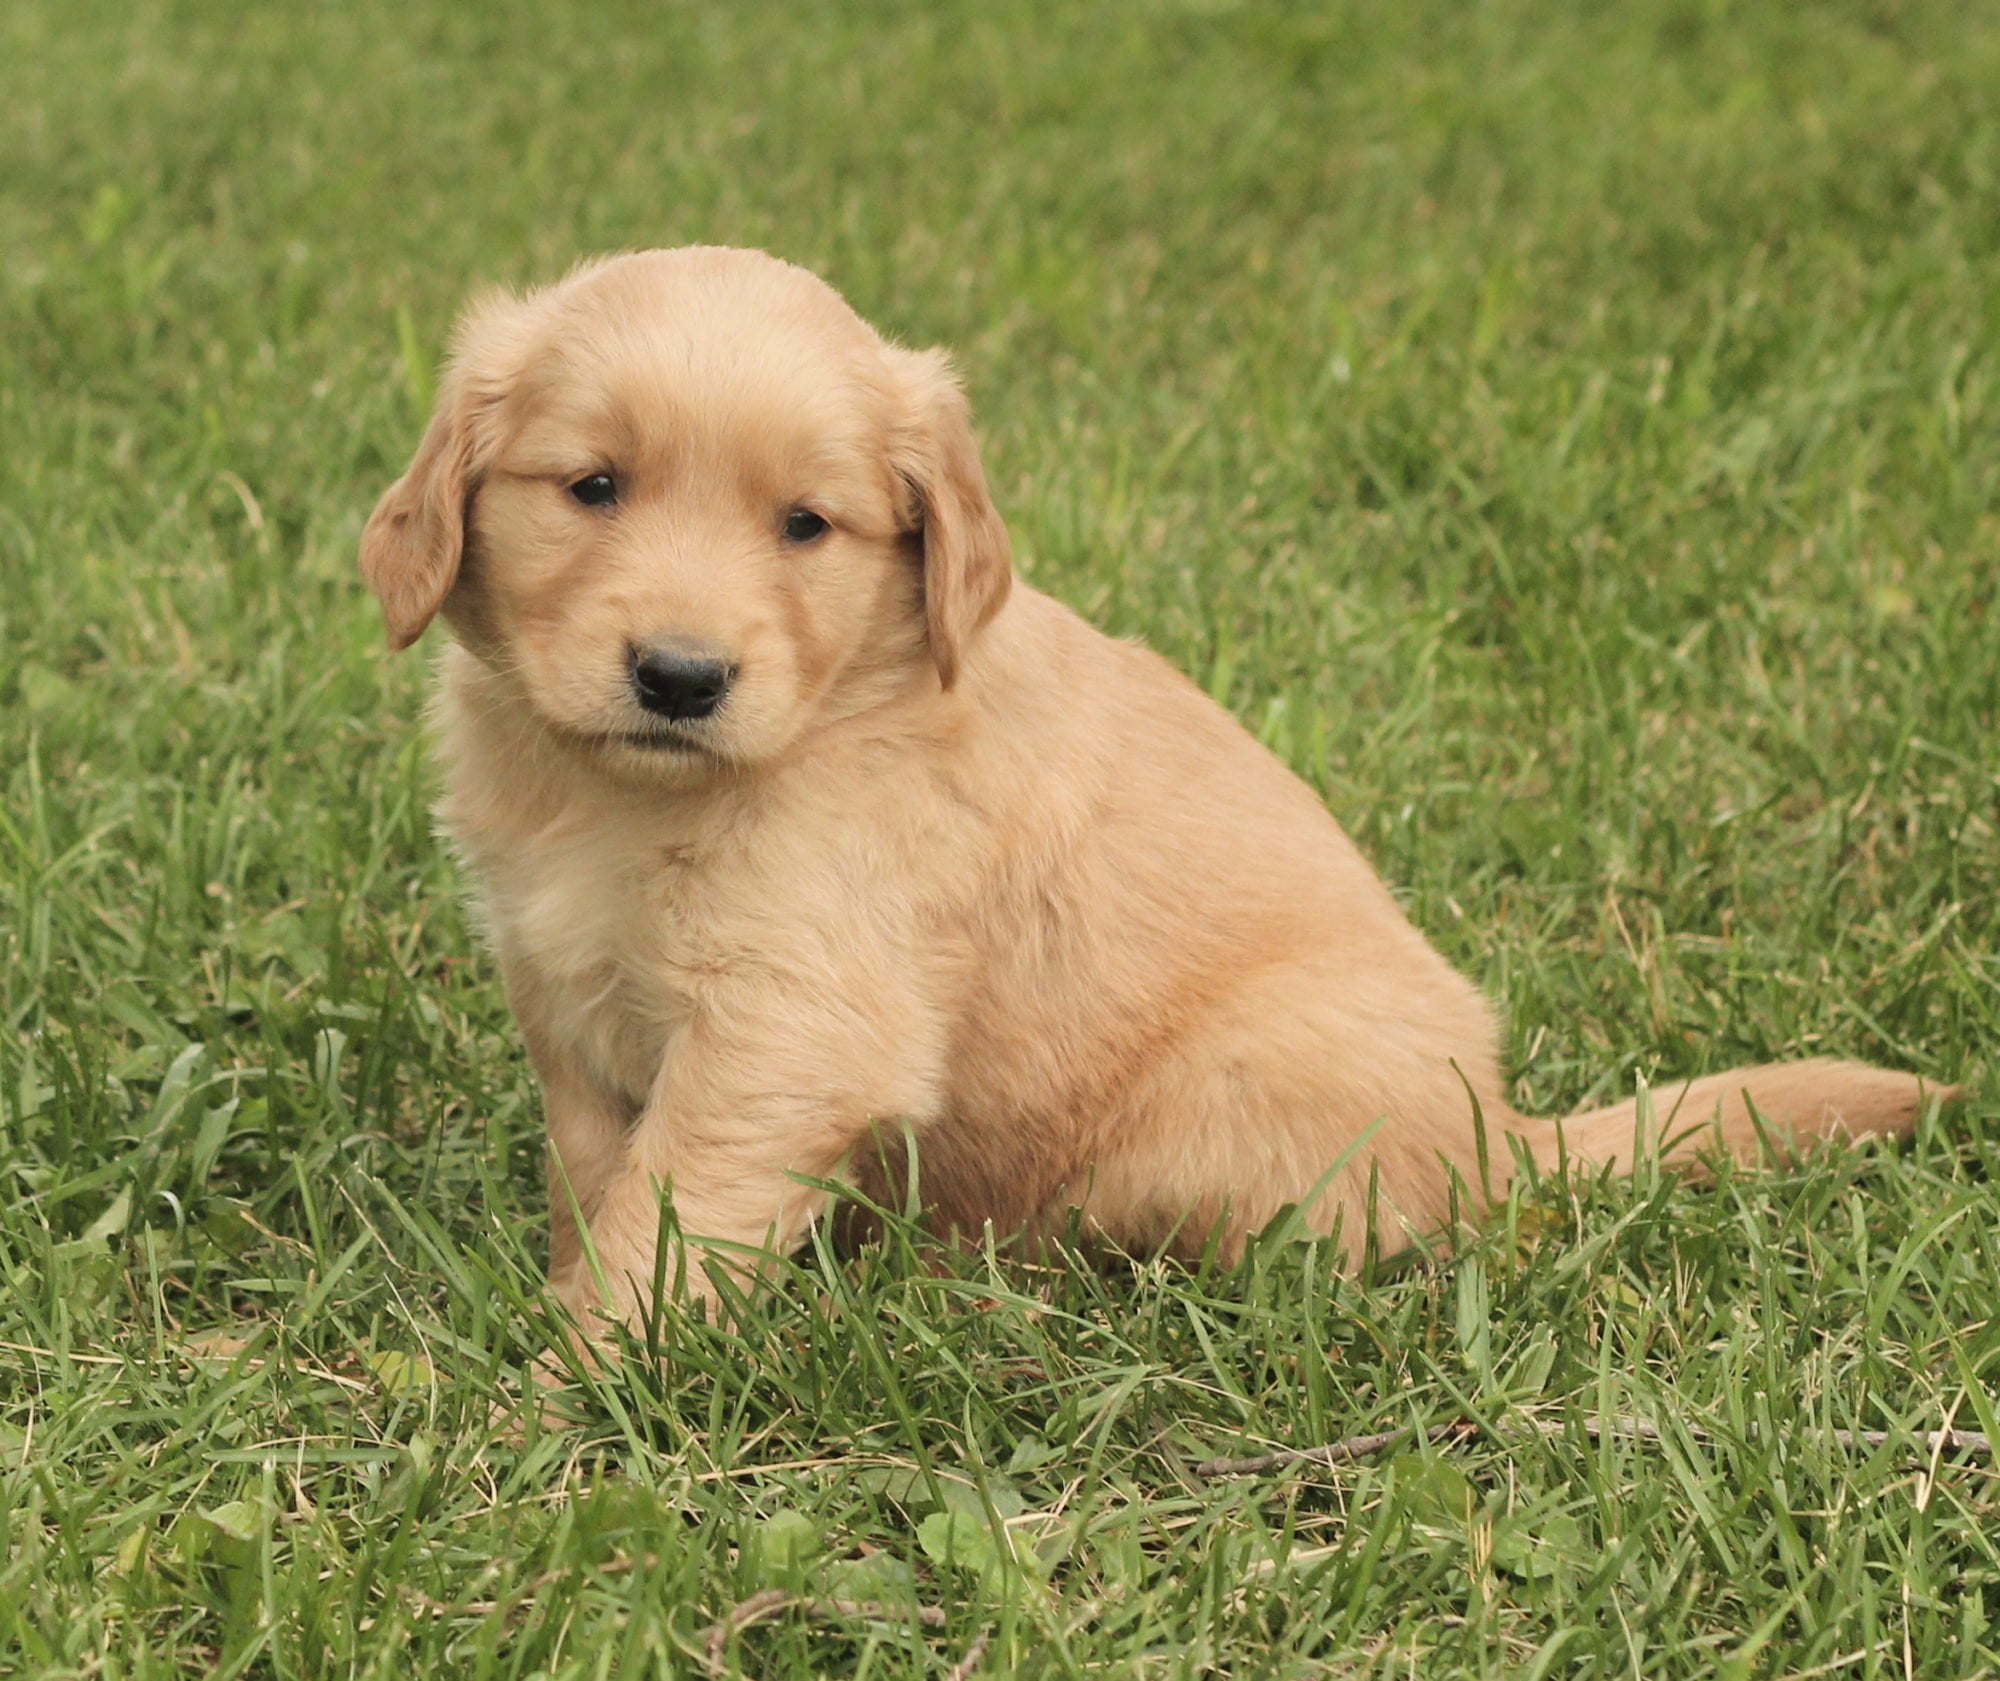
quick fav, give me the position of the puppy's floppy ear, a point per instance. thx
(413, 543)
(968, 560)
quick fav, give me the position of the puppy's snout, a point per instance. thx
(680, 680)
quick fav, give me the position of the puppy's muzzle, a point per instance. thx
(681, 680)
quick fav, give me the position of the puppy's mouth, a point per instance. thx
(665, 739)
(659, 741)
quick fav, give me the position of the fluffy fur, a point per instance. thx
(946, 865)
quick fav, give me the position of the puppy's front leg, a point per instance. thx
(738, 1111)
(586, 1124)
(585, 1150)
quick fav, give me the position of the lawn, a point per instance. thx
(1569, 435)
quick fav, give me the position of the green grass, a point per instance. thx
(1566, 433)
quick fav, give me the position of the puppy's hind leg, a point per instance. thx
(1369, 1122)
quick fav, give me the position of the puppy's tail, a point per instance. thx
(1785, 1106)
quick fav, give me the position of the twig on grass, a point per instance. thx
(715, 1639)
(973, 1653)
(1333, 1453)
(929, 1616)
(1928, 1445)
(760, 1606)
(523, 1591)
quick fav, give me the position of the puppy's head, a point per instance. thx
(688, 504)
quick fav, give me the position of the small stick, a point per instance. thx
(1635, 1429)
(1645, 1430)
(761, 1606)
(930, 1616)
(1334, 1453)
(716, 1639)
(973, 1653)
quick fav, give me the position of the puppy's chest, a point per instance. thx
(608, 933)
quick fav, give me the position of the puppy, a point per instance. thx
(814, 844)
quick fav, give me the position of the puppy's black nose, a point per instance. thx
(678, 680)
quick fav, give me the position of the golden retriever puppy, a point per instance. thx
(804, 829)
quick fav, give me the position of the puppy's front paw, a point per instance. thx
(595, 1311)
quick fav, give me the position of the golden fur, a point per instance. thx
(947, 863)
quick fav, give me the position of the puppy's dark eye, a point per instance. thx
(600, 490)
(804, 525)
